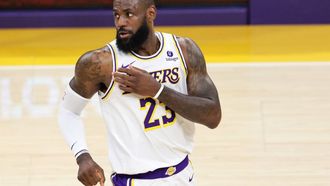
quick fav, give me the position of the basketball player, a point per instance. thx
(152, 87)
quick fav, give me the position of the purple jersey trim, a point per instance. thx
(114, 68)
(121, 179)
(153, 55)
(181, 54)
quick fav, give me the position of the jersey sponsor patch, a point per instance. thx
(170, 56)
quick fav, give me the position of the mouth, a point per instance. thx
(124, 34)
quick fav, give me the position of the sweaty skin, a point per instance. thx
(93, 73)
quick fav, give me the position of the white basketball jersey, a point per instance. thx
(145, 134)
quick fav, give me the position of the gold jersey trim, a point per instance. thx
(114, 68)
(181, 55)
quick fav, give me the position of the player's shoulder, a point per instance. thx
(101, 56)
(95, 56)
(185, 42)
(191, 51)
(98, 58)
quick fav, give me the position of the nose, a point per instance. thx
(121, 21)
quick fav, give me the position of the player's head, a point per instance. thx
(133, 20)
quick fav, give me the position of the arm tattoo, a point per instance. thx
(196, 66)
(89, 68)
(202, 93)
(90, 74)
(199, 82)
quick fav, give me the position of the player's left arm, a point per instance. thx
(202, 103)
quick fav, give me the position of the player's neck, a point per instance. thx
(150, 46)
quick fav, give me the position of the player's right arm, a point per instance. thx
(91, 75)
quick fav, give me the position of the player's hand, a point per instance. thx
(135, 80)
(89, 173)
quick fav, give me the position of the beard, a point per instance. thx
(136, 40)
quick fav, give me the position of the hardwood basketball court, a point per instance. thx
(275, 128)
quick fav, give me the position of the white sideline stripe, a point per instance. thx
(220, 64)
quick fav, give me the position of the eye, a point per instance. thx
(129, 14)
(116, 15)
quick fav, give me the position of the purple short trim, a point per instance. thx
(121, 179)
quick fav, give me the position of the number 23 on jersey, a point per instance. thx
(150, 122)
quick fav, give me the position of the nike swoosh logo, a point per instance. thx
(125, 66)
(192, 177)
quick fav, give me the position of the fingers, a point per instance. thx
(87, 180)
(130, 71)
(123, 75)
(92, 178)
(137, 69)
(134, 80)
(101, 177)
(126, 89)
(125, 81)
(84, 180)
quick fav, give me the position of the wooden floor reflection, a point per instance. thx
(275, 128)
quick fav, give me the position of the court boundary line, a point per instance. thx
(222, 64)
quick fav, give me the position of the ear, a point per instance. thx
(151, 13)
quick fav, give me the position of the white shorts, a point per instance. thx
(183, 178)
